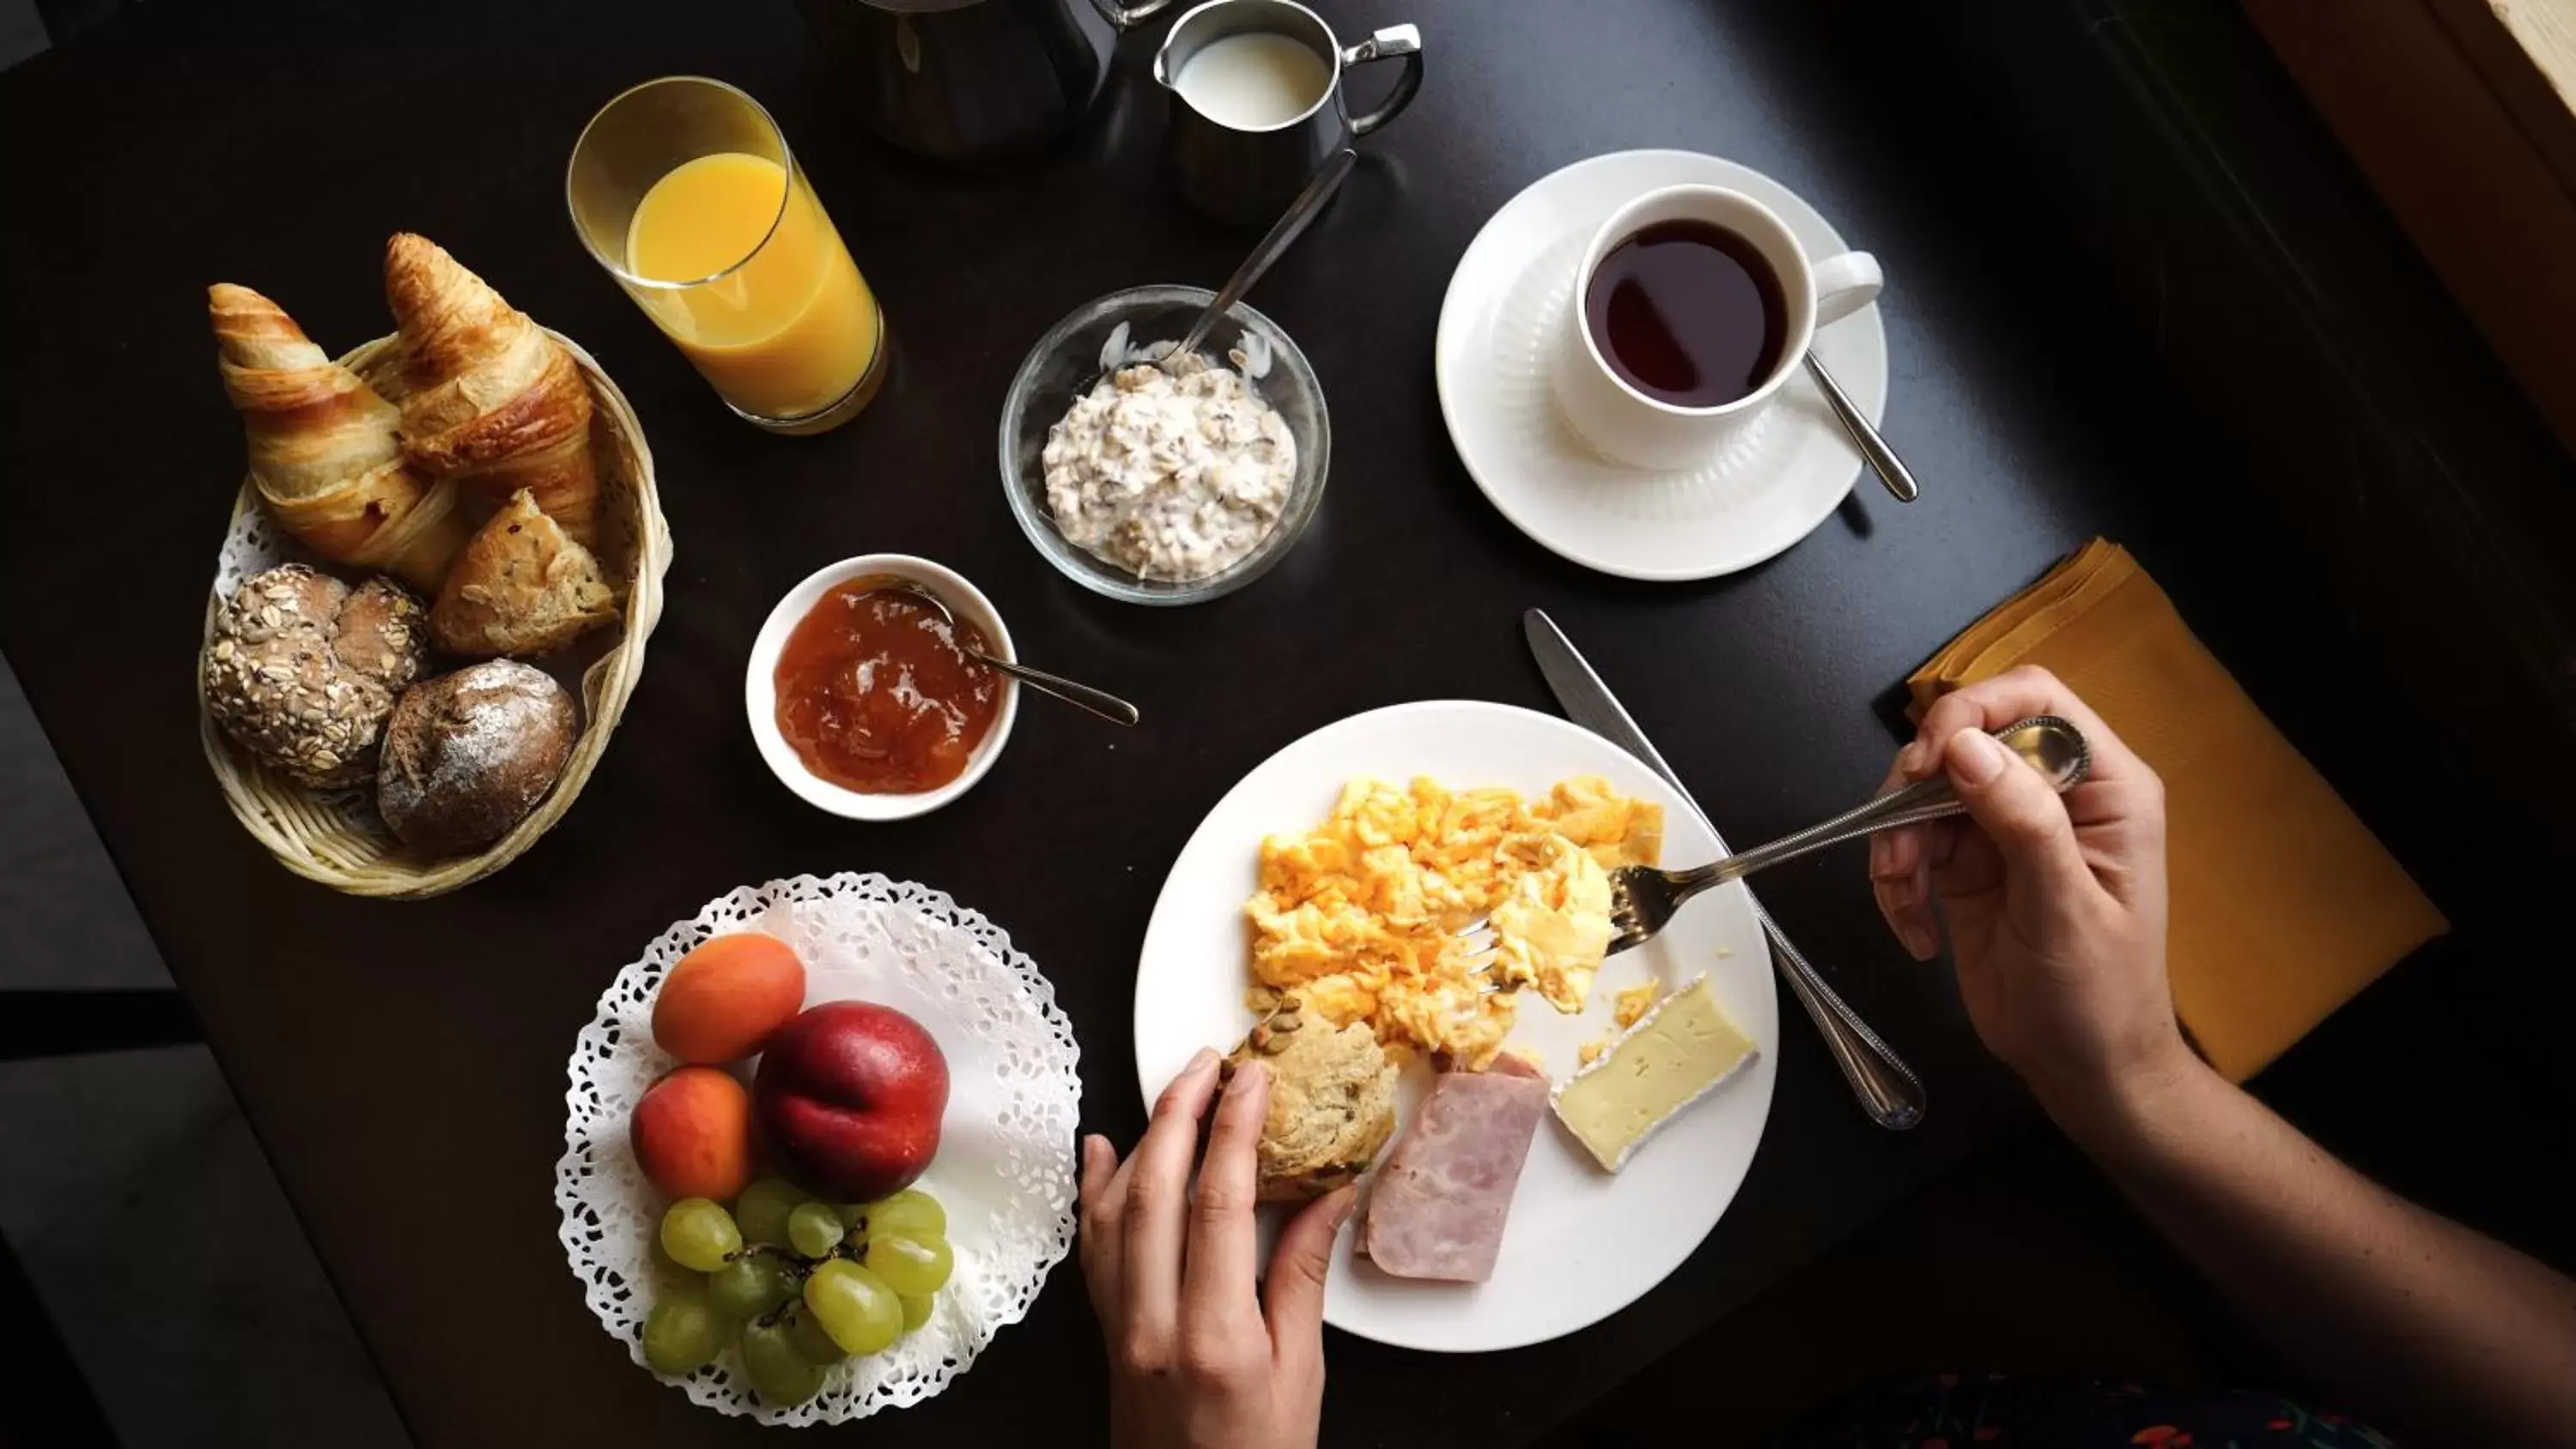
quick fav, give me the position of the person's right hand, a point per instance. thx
(2055, 904)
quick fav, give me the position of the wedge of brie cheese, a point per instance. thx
(1676, 1054)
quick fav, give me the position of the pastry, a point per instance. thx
(468, 754)
(521, 587)
(1332, 1102)
(489, 399)
(303, 670)
(323, 451)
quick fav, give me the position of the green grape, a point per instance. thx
(783, 1375)
(910, 1213)
(916, 1310)
(854, 1306)
(762, 1210)
(750, 1286)
(700, 1234)
(681, 1333)
(852, 1213)
(910, 1265)
(814, 1229)
(667, 1269)
(811, 1340)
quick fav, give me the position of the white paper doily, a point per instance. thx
(253, 543)
(1005, 1169)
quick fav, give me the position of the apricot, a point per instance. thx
(725, 998)
(692, 1134)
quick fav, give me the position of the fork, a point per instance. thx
(1643, 899)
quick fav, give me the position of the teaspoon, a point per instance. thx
(1891, 469)
(1100, 702)
(1291, 224)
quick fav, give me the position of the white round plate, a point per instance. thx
(1005, 1167)
(1581, 1244)
(1514, 287)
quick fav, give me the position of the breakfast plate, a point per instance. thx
(1580, 1243)
(1004, 1167)
(1513, 290)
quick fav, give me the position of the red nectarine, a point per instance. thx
(850, 1095)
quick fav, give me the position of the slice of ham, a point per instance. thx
(1438, 1206)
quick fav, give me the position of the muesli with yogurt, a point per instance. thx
(1172, 472)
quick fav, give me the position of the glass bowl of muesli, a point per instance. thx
(1158, 479)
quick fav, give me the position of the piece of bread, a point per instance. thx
(522, 586)
(323, 451)
(488, 399)
(303, 670)
(1332, 1102)
(468, 755)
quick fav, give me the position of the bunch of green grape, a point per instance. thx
(797, 1284)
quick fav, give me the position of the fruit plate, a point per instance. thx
(1006, 1164)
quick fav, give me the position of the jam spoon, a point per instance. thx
(1108, 706)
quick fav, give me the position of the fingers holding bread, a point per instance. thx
(1224, 1254)
(1292, 1296)
(1331, 1101)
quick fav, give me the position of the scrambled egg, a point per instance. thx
(1358, 916)
(1635, 1002)
(1551, 930)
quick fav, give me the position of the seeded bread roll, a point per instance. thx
(1332, 1103)
(303, 670)
(469, 754)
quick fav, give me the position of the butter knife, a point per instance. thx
(1888, 1089)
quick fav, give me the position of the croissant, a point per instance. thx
(323, 448)
(489, 399)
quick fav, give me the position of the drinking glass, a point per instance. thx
(684, 189)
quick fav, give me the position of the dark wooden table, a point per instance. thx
(403, 1063)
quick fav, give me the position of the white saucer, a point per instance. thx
(1772, 483)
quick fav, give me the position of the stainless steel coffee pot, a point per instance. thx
(969, 80)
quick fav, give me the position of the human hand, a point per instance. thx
(1197, 1360)
(2055, 903)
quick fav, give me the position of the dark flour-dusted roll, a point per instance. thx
(1438, 1207)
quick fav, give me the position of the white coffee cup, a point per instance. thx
(1627, 425)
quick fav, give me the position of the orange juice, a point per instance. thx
(779, 319)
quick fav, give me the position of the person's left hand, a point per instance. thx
(1197, 1358)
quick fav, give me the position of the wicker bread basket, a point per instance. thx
(336, 836)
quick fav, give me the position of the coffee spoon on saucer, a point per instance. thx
(1890, 468)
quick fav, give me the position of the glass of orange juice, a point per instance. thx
(684, 189)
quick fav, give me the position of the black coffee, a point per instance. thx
(1688, 312)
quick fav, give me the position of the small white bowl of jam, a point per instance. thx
(860, 697)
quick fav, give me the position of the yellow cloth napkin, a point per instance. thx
(2284, 904)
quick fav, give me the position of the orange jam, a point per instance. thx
(876, 695)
